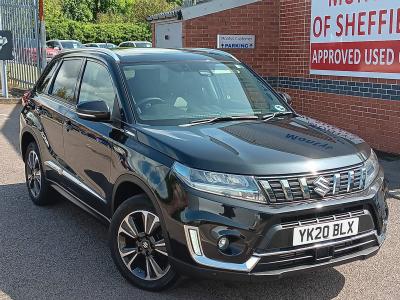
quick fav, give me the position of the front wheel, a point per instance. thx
(138, 246)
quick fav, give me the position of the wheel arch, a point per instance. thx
(138, 186)
(146, 190)
(27, 137)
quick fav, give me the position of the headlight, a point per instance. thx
(372, 168)
(234, 186)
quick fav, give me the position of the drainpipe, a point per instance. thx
(42, 30)
(3, 69)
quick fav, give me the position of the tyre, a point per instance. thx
(38, 187)
(138, 246)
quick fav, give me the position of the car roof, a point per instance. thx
(136, 42)
(135, 55)
(101, 43)
(62, 41)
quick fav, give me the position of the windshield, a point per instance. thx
(180, 92)
(71, 44)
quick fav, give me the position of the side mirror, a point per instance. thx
(287, 98)
(93, 111)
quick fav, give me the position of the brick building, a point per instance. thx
(367, 104)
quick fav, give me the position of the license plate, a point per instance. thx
(324, 232)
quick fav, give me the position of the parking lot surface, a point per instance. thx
(61, 252)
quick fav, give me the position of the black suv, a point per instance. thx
(199, 167)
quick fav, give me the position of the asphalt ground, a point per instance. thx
(61, 252)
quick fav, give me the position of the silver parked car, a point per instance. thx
(101, 45)
(136, 44)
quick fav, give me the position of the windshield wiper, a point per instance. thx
(220, 119)
(277, 114)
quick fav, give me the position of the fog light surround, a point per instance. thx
(223, 243)
(195, 241)
(194, 245)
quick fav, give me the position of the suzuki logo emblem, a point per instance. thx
(321, 186)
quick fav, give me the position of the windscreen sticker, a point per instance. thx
(280, 108)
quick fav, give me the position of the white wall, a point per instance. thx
(168, 34)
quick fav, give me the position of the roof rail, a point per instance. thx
(214, 51)
(104, 51)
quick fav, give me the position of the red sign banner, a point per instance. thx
(375, 56)
(357, 38)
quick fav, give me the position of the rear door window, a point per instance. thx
(66, 79)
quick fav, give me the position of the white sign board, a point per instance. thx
(358, 38)
(236, 41)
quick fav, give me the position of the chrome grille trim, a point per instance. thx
(336, 183)
(333, 171)
(313, 186)
(286, 189)
(350, 181)
(268, 189)
(304, 188)
(363, 178)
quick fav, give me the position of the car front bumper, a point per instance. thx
(199, 271)
(262, 235)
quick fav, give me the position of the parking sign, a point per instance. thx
(6, 45)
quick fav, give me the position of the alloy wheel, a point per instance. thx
(142, 247)
(34, 174)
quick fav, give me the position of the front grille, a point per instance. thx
(314, 187)
(308, 256)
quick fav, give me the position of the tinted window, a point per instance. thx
(97, 85)
(65, 82)
(43, 85)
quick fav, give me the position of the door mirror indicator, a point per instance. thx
(94, 111)
(287, 98)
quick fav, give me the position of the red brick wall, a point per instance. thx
(375, 120)
(264, 24)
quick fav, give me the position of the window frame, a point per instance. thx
(83, 69)
(52, 67)
(50, 89)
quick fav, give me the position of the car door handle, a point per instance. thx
(68, 125)
(39, 109)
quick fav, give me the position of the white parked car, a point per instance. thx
(136, 44)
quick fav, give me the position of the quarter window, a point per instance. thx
(65, 82)
(97, 85)
(42, 87)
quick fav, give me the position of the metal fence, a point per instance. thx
(22, 18)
